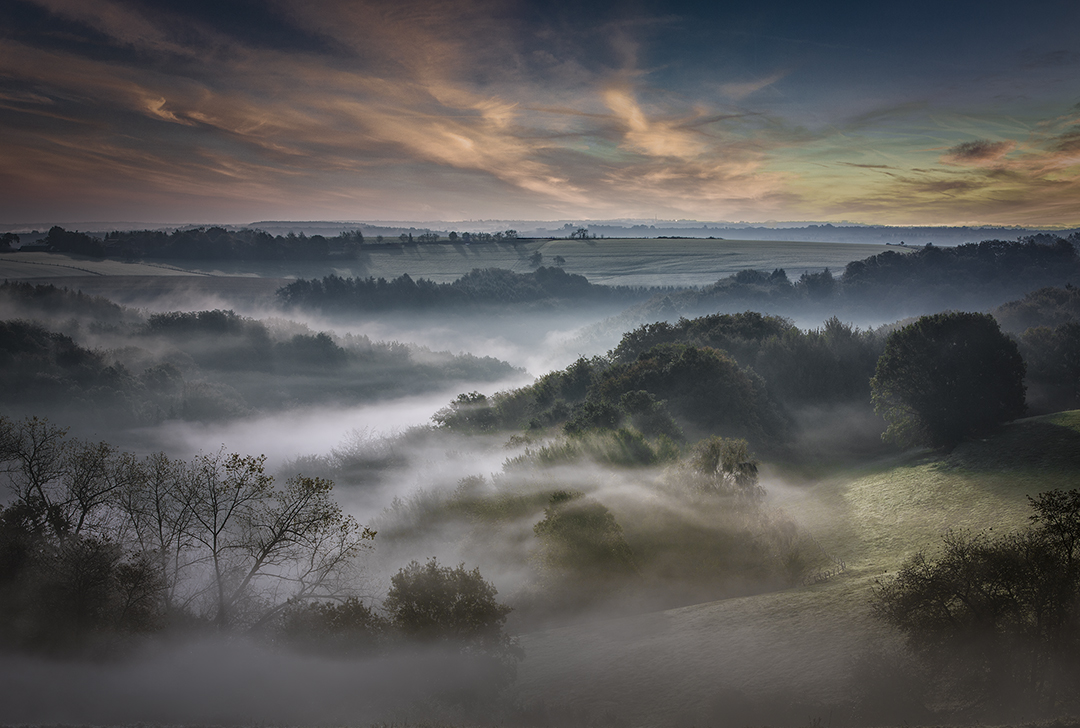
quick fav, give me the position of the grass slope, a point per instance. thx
(791, 655)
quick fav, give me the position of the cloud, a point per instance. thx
(978, 152)
(474, 108)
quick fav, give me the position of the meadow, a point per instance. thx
(631, 261)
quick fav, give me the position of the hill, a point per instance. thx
(813, 652)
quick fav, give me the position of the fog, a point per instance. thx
(646, 588)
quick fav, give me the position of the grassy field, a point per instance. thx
(702, 664)
(679, 262)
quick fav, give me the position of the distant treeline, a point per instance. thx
(969, 275)
(213, 243)
(217, 243)
(481, 286)
(810, 233)
(972, 276)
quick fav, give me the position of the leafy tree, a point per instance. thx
(997, 617)
(947, 377)
(1052, 356)
(582, 540)
(455, 606)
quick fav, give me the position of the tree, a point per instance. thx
(436, 604)
(997, 617)
(265, 546)
(536, 259)
(581, 539)
(947, 377)
(218, 537)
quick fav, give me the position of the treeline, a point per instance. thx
(204, 365)
(479, 287)
(100, 549)
(213, 243)
(753, 376)
(735, 375)
(929, 279)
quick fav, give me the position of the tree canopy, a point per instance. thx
(946, 377)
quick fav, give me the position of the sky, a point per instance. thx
(230, 111)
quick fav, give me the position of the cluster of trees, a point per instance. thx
(947, 377)
(200, 365)
(973, 275)
(737, 375)
(99, 548)
(996, 618)
(486, 286)
(935, 381)
(1047, 324)
(98, 544)
(586, 552)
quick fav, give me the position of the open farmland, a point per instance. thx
(634, 261)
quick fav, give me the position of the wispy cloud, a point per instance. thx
(464, 108)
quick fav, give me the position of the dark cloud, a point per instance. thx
(867, 166)
(1068, 142)
(979, 151)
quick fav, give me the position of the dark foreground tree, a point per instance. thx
(997, 618)
(947, 377)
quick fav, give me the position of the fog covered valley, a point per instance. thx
(527, 499)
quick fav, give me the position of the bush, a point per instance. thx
(438, 605)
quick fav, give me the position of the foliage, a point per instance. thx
(998, 616)
(1049, 307)
(727, 467)
(200, 365)
(437, 604)
(703, 386)
(348, 626)
(1052, 356)
(479, 287)
(215, 538)
(580, 540)
(946, 377)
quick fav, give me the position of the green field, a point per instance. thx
(804, 643)
(634, 261)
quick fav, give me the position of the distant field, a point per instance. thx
(803, 643)
(635, 261)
